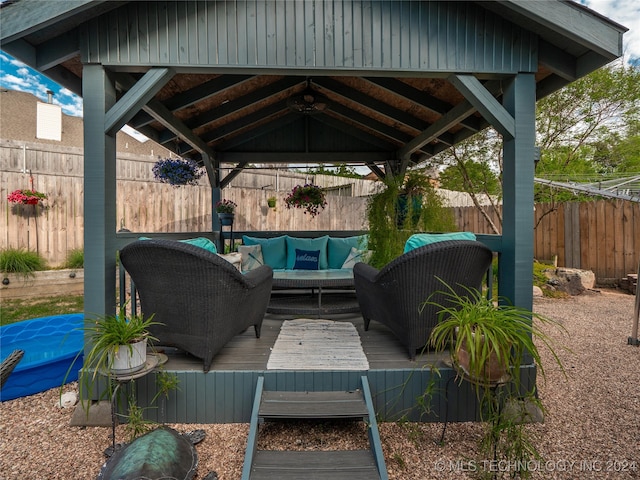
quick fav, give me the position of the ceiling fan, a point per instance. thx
(308, 102)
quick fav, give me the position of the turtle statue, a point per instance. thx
(162, 453)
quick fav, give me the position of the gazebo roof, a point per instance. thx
(376, 81)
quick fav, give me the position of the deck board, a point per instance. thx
(246, 352)
(319, 465)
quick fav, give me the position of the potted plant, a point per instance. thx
(487, 340)
(271, 202)
(118, 343)
(226, 211)
(309, 197)
(177, 172)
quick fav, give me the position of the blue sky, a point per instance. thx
(14, 75)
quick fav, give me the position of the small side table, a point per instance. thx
(119, 380)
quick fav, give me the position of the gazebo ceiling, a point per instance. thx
(243, 117)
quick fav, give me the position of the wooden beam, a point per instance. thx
(391, 112)
(303, 157)
(485, 103)
(27, 17)
(557, 60)
(57, 50)
(136, 97)
(419, 97)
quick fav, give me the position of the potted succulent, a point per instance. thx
(226, 211)
(309, 197)
(177, 172)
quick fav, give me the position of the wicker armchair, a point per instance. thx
(394, 295)
(200, 299)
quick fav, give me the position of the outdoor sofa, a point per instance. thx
(285, 252)
(200, 299)
(395, 295)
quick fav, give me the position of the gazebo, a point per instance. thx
(386, 84)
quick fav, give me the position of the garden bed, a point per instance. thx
(42, 284)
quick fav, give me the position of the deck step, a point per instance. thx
(314, 465)
(323, 465)
(312, 405)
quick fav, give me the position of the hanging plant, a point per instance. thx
(26, 197)
(177, 172)
(309, 197)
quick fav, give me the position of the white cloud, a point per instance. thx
(626, 13)
(15, 83)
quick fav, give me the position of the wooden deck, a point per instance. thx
(225, 394)
(246, 352)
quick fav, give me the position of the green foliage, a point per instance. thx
(470, 176)
(340, 170)
(587, 131)
(75, 259)
(136, 423)
(488, 332)
(389, 227)
(16, 310)
(107, 334)
(21, 261)
(473, 322)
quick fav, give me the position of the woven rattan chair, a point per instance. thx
(394, 295)
(201, 300)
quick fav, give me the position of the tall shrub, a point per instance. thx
(404, 205)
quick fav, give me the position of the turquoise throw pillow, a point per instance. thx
(339, 248)
(274, 250)
(306, 259)
(319, 243)
(422, 239)
(201, 242)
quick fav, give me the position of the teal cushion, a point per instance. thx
(274, 250)
(339, 248)
(201, 242)
(319, 243)
(422, 239)
(306, 259)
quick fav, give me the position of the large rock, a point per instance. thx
(571, 280)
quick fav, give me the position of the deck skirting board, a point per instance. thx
(227, 396)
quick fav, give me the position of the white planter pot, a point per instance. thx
(129, 358)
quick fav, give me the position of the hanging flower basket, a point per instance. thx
(309, 197)
(26, 197)
(177, 172)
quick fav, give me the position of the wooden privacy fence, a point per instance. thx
(602, 236)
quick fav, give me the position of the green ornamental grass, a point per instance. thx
(75, 259)
(13, 260)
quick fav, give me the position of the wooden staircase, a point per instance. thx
(314, 465)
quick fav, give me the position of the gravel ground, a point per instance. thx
(591, 429)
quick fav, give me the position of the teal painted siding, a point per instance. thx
(328, 35)
(227, 396)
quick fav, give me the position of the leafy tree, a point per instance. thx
(586, 130)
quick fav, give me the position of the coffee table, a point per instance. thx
(336, 285)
